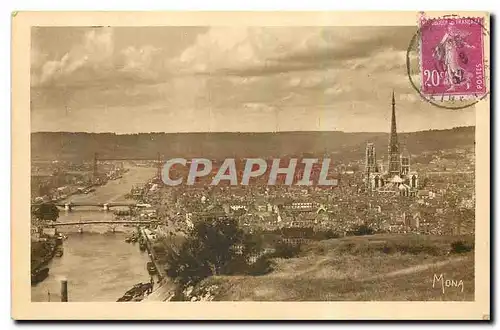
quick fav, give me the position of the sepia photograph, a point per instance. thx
(186, 164)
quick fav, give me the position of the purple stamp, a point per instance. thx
(452, 57)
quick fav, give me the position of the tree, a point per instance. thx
(212, 247)
(362, 230)
(252, 243)
(286, 251)
(43, 190)
(46, 211)
(461, 247)
(262, 266)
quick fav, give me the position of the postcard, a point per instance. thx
(251, 165)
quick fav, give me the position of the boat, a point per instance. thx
(139, 297)
(125, 297)
(122, 212)
(128, 296)
(132, 238)
(59, 252)
(60, 238)
(136, 293)
(151, 268)
(39, 275)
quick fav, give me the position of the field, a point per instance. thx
(377, 267)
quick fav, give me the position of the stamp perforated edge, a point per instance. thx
(458, 96)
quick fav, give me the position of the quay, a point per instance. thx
(149, 248)
(164, 290)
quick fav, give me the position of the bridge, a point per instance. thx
(68, 206)
(103, 222)
(110, 223)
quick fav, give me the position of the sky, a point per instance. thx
(239, 79)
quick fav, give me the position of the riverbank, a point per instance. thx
(164, 292)
(163, 289)
(42, 252)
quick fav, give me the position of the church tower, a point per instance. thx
(394, 155)
(370, 158)
(371, 167)
(405, 162)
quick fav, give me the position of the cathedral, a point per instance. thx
(397, 178)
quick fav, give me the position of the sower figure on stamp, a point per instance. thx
(448, 53)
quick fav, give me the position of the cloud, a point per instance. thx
(93, 53)
(313, 79)
(94, 62)
(411, 97)
(384, 60)
(228, 78)
(298, 66)
(221, 48)
(258, 51)
(258, 107)
(136, 59)
(337, 90)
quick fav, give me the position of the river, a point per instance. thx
(97, 263)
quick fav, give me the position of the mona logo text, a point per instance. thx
(440, 281)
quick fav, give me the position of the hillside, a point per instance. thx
(64, 145)
(355, 268)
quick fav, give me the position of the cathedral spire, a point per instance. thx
(394, 156)
(394, 133)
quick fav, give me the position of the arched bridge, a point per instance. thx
(102, 222)
(105, 206)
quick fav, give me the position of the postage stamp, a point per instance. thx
(452, 57)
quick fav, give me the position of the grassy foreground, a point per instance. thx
(364, 268)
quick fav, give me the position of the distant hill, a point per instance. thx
(79, 145)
